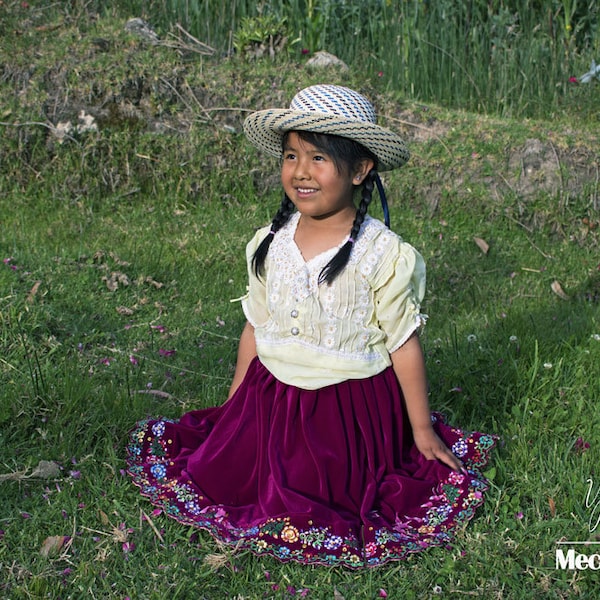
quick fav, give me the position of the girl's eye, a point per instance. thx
(289, 156)
(318, 157)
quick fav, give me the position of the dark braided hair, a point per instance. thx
(333, 268)
(346, 155)
(281, 218)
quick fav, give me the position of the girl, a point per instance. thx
(326, 451)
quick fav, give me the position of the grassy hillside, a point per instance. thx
(127, 194)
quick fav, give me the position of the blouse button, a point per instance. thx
(295, 331)
(294, 314)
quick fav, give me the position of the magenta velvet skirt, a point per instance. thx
(328, 476)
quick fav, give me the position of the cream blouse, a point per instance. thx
(311, 335)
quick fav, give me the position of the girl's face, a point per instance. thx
(312, 181)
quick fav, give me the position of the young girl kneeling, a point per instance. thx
(326, 451)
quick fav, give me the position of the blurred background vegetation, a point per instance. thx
(503, 57)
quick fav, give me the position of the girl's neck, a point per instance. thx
(314, 236)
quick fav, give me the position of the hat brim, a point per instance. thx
(265, 130)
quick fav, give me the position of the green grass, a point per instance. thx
(122, 248)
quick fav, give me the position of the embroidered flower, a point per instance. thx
(333, 542)
(193, 507)
(158, 471)
(289, 534)
(486, 441)
(474, 496)
(455, 478)
(460, 448)
(158, 428)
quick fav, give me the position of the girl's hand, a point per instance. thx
(432, 448)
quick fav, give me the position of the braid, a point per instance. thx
(333, 268)
(279, 220)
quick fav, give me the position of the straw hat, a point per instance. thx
(329, 109)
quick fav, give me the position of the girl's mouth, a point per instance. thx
(305, 191)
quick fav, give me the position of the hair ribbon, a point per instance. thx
(382, 197)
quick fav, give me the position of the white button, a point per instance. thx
(294, 314)
(295, 331)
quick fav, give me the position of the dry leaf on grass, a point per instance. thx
(53, 544)
(557, 289)
(482, 245)
(33, 292)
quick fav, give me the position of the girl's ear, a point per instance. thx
(362, 170)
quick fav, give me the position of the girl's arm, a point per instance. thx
(246, 352)
(409, 366)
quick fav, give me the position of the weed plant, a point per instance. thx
(122, 248)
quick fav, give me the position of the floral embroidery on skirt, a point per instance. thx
(326, 476)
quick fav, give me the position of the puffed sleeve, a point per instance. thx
(398, 293)
(254, 303)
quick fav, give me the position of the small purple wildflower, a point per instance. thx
(581, 445)
(128, 547)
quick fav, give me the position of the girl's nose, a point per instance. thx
(301, 171)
